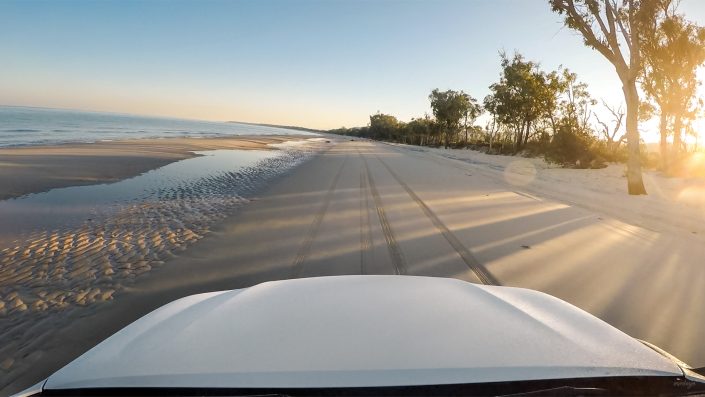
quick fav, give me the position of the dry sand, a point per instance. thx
(34, 169)
(673, 205)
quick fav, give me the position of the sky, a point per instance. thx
(320, 64)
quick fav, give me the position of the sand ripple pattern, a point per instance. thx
(58, 270)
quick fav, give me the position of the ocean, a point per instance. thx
(23, 126)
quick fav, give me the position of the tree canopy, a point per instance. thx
(673, 51)
(449, 107)
(523, 95)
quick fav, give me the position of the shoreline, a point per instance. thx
(35, 169)
(55, 276)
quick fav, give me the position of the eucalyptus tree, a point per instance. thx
(472, 112)
(610, 128)
(615, 28)
(449, 107)
(523, 96)
(383, 126)
(491, 105)
(421, 129)
(672, 55)
(575, 102)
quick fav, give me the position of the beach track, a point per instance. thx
(365, 207)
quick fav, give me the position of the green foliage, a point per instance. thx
(530, 107)
(449, 107)
(523, 96)
(384, 127)
(570, 149)
(673, 51)
(356, 131)
(609, 151)
(420, 130)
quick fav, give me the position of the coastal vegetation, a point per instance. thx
(655, 52)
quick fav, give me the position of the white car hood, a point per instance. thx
(354, 331)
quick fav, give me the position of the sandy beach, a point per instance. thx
(361, 207)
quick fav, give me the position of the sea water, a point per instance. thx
(22, 126)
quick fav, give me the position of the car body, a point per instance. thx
(369, 335)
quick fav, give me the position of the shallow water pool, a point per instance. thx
(210, 175)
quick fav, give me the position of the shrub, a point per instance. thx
(570, 149)
(609, 152)
(533, 149)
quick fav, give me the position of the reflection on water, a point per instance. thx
(81, 244)
(78, 245)
(69, 207)
(65, 262)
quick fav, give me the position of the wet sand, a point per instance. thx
(35, 169)
(51, 277)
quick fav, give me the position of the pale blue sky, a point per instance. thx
(321, 63)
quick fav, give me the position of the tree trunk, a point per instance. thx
(526, 134)
(466, 130)
(553, 125)
(664, 141)
(519, 137)
(635, 184)
(677, 141)
(492, 132)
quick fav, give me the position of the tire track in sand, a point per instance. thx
(305, 248)
(365, 223)
(394, 250)
(480, 271)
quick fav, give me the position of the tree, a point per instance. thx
(472, 112)
(614, 28)
(449, 107)
(572, 138)
(672, 54)
(610, 134)
(383, 126)
(570, 148)
(575, 101)
(421, 129)
(523, 96)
